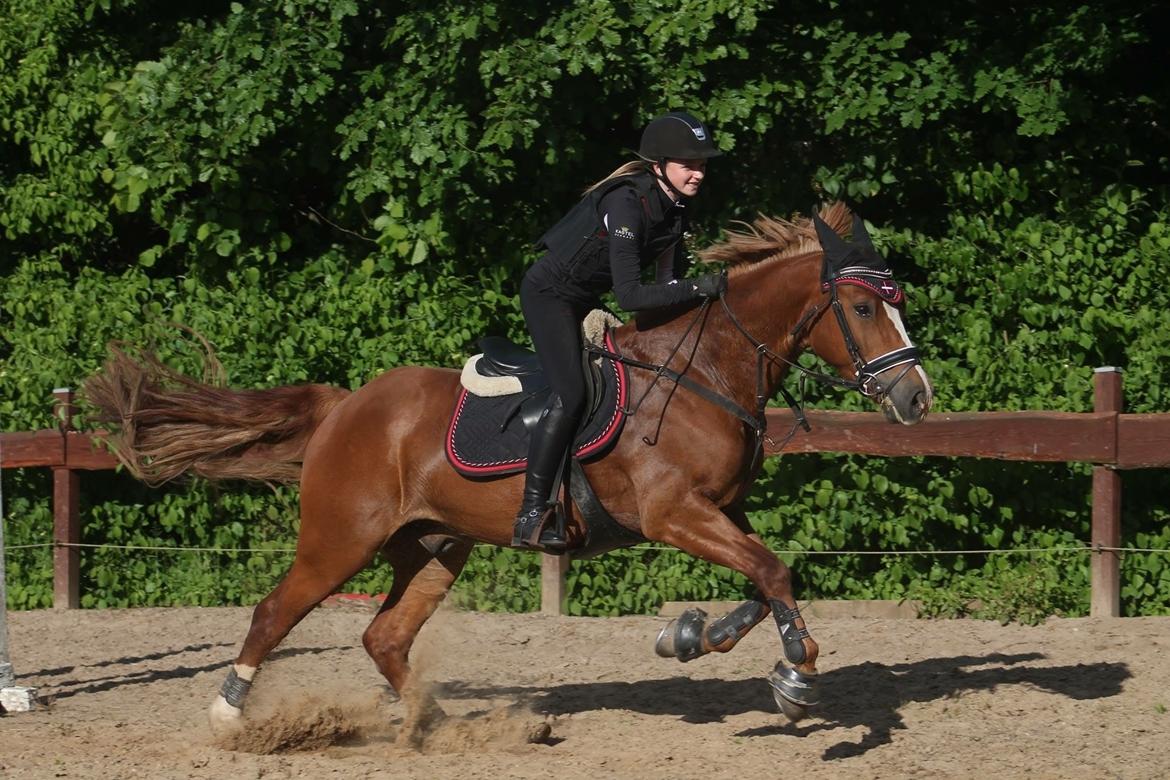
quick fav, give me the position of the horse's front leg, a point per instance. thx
(692, 635)
(711, 535)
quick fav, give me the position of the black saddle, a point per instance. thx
(489, 435)
(502, 357)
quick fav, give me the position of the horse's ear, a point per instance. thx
(833, 244)
(860, 234)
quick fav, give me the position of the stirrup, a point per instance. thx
(534, 531)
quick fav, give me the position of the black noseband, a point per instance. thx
(867, 371)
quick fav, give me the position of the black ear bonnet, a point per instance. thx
(855, 262)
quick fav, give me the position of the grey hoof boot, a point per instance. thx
(682, 638)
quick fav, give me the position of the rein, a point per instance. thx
(867, 382)
(867, 370)
(756, 422)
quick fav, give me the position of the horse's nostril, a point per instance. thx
(919, 402)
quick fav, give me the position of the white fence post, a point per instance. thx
(552, 583)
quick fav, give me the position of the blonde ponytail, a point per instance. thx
(625, 169)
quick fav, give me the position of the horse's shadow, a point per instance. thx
(92, 683)
(870, 694)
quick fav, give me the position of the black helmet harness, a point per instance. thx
(658, 171)
(677, 135)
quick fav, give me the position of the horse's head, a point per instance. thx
(858, 326)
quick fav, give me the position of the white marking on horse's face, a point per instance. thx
(896, 318)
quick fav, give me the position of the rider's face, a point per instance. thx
(686, 175)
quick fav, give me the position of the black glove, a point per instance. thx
(711, 285)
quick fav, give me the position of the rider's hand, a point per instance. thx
(711, 285)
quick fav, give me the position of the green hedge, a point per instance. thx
(327, 189)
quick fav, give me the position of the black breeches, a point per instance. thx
(555, 326)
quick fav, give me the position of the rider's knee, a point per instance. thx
(569, 403)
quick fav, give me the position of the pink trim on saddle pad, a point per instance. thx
(513, 465)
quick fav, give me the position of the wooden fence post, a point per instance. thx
(66, 513)
(552, 583)
(6, 676)
(1105, 569)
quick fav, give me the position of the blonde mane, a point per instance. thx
(770, 238)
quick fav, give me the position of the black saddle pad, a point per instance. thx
(487, 436)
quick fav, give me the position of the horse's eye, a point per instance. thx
(863, 310)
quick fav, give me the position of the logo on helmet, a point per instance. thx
(700, 134)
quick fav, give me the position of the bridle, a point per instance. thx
(867, 382)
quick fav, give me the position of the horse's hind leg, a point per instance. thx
(425, 567)
(317, 571)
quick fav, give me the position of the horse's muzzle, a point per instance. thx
(910, 399)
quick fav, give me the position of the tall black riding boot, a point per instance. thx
(551, 438)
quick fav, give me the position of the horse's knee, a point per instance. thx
(777, 579)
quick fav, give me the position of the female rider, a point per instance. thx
(634, 217)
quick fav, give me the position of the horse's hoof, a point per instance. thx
(223, 718)
(682, 638)
(793, 691)
(664, 644)
(794, 712)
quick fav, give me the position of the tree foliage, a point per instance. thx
(326, 189)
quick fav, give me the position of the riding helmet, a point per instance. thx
(677, 135)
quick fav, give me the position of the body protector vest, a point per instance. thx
(585, 258)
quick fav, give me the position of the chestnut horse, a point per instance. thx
(374, 476)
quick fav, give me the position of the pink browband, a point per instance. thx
(883, 287)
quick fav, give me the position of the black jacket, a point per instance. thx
(608, 237)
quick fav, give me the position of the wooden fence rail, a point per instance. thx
(1106, 437)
